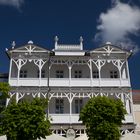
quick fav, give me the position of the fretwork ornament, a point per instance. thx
(40, 63)
(99, 63)
(30, 49)
(118, 63)
(108, 49)
(20, 62)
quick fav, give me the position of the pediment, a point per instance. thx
(108, 48)
(31, 48)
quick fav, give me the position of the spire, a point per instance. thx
(56, 42)
(81, 42)
(13, 44)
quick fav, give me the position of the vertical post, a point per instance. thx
(91, 76)
(131, 105)
(70, 101)
(38, 95)
(17, 97)
(127, 106)
(99, 63)
(99, 68)
(11, 61)
(122, 97)
(7, 101)
(128, 76)
(48, 83)
(40, 68)
(19, 67)
(69, 66)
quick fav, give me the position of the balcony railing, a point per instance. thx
(73, 82)
(74, 118)
(64, 118)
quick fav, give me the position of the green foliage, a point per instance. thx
(26, 120)
(103, 117)
(4, 89)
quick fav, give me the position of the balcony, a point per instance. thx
(64, 118)
(74, 118)
(73, 82)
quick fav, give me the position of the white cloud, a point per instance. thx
(118, 23)
(15, 3)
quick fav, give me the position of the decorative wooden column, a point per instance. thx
(99, 64)
(19, 63)
(10, 69)
(40, 63)
(119, 63)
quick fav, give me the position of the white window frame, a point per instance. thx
(78, 104)
(23, 74)
(95, 74)
(59, 74)
(59, 106)
(42, 73)
(78, 74)
(114, 74)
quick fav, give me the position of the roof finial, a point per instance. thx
(13, 44)
(6, 49)
(30, 42)
(56, 40)
(81, 39)
(81, 42)
(108, 43)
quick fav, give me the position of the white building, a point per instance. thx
(68, 76)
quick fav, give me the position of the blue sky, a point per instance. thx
(42, 20)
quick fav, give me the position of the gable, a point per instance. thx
(109, 48)
(29, 48)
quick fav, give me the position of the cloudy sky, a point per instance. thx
(97, 21)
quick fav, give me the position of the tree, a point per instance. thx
(4, 89)
(26, 120)
(103, 116)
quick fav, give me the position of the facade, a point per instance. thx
(68, 76)
(136, 109)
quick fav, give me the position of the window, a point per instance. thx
(59, 106)
(95, 74)
(113, 74)
(23, 73)
(59, 74)
(42, 73)
(78, 74)
(78, 105)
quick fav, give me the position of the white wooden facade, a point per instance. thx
(68, 76)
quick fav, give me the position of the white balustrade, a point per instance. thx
(74, 82)
(128, 119)
(68, 47)
(64, 118)
(74, 118)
